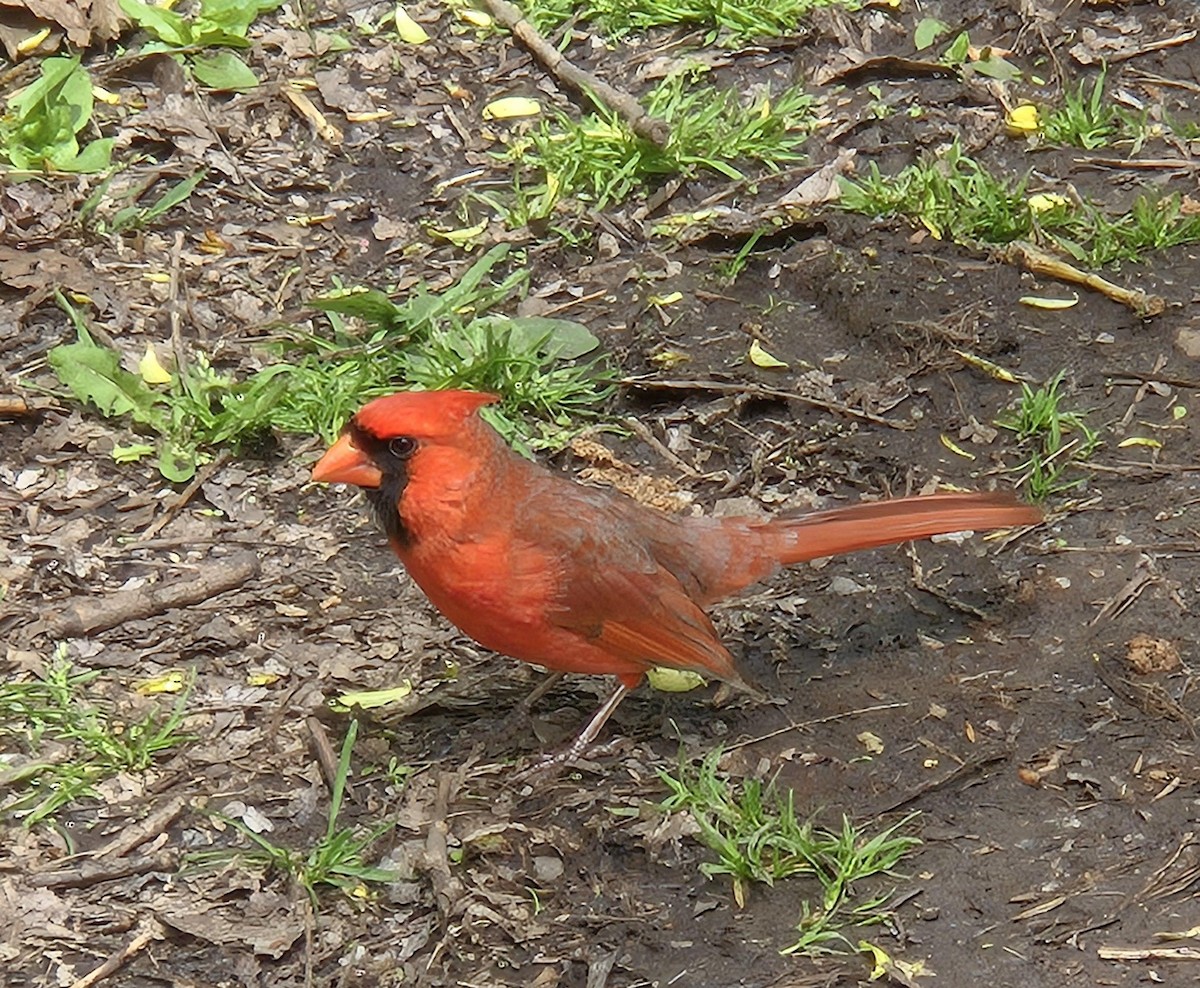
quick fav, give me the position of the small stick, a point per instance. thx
(203, 475)
(90, 615)
(142, 831)
(651, 440)
(1175, 42)
(653, 129)
(802, 725)
(759, 391)
(1039, 262)
(1121, 377)
(151, 930)
(1127, 468)
(326, 757)
(959, 772)
(1121, 164)
(435, 859)
(97, 872)
(1148, 953)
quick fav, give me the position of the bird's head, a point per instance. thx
(432, 438)
(385, 435)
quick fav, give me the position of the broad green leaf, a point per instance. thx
(997, 68)
(368, 304)
(164, 24)
(929, 29)
(131, 453)
(178, 465)
(55, 72)
(560, 338)
(94, 374)
(206, 35)
(223, 71)
(957, 52)
(96, 157)
(234, 16)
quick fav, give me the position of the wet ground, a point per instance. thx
(1055, 777)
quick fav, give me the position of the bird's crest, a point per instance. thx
(432, 415)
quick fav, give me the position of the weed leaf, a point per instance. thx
(94, 374)
(224, 72)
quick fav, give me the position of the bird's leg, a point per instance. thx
(552, 763)
(599, 719)
(517, 719)
(525, 707)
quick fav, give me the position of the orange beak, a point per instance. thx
(344, 463)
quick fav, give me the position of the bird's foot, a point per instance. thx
(549, 766)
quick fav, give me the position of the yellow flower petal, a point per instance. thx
(31, 43)
(673, 680)
(476, 18)
(511, 106)
(955, 448)
(1021, 120)
(987, 366)
(760, 358)
(669, 299)
(370, 699)
(464, 237)
(168, 682)
(1043, 202)
(408, 29)
(151, 370)
(1036, 302)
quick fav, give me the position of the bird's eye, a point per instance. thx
(402, 447)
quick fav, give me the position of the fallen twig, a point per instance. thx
(142, 831)
(1145, 574)
(968, 768)
(1141, 377)
(919, 581)
(88, 616)
(1148, 953)
(653, 129)
(327, 758)
(759, 391)
(435, 861)
(1170, 164)
(1039, 262)
(185, 496)
(813, 723)
(151, 930)
(1146, 49)
(91, 873)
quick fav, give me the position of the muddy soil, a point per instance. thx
(1054, 779)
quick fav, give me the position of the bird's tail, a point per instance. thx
(878, 523)
(737, 552)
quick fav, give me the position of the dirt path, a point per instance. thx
(1055, 778)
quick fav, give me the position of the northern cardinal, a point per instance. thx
(578, 579)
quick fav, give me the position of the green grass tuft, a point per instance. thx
(956, 198)
(1057, 438)
(67, 743)
(726, 23)
(335, 860)
(753, 829)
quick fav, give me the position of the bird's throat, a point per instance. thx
(385, 499)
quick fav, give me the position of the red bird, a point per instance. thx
(577, 579)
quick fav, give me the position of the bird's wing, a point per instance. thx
(614, 593)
